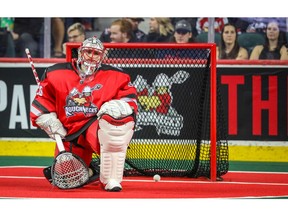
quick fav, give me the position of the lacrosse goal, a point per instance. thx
(180, 128)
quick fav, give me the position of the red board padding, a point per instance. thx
(29, 182)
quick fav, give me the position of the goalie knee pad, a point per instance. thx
(114, 137)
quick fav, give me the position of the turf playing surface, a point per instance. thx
(28, 182)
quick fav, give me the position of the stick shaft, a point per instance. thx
(57, 136)
(32, 66)
(59, 143)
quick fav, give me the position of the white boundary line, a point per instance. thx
(209, 182)
(168, 181)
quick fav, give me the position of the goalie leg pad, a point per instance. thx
(114, 137)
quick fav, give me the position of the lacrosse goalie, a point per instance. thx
(100, 121)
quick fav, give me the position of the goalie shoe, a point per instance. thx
(112, 186)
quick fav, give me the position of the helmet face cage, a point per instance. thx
(90, 56)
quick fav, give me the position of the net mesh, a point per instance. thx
(172, 133)
(69, 172)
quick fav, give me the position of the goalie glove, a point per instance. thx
(51, 125)
(115, 108)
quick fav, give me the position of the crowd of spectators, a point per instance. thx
(18, 33)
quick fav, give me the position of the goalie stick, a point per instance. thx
(68, 170)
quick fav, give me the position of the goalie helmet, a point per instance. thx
(90, 56)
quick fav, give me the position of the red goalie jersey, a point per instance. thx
(76, 104)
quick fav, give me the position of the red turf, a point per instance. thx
(29, 182)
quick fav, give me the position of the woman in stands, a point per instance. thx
(275, 46)
(160, 30)
(229, 47)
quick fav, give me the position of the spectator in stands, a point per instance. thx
(183, 32)
(191, 20)
(140, 36)
(275, 46)
(87, 22)
(229, 47)
(160, 30)
(249, 24)
(202, 24)
(121, 31)
(58, 34)
(29, 34)
(105, 35)
(75, 33)
(256, 24)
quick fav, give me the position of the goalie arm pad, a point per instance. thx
(115, 108)
(51, 125)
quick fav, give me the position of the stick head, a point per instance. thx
(69, 171)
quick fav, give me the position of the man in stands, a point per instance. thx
(138, 34)
(121, 31)
(88, 128)
(75, 33)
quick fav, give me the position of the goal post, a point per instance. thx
(180, 128)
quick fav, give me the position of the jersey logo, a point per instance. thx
(81, 102)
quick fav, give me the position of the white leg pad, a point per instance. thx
(114, 140)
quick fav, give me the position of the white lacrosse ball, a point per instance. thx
(156, 178)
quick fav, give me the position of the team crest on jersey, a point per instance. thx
(81, 102)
